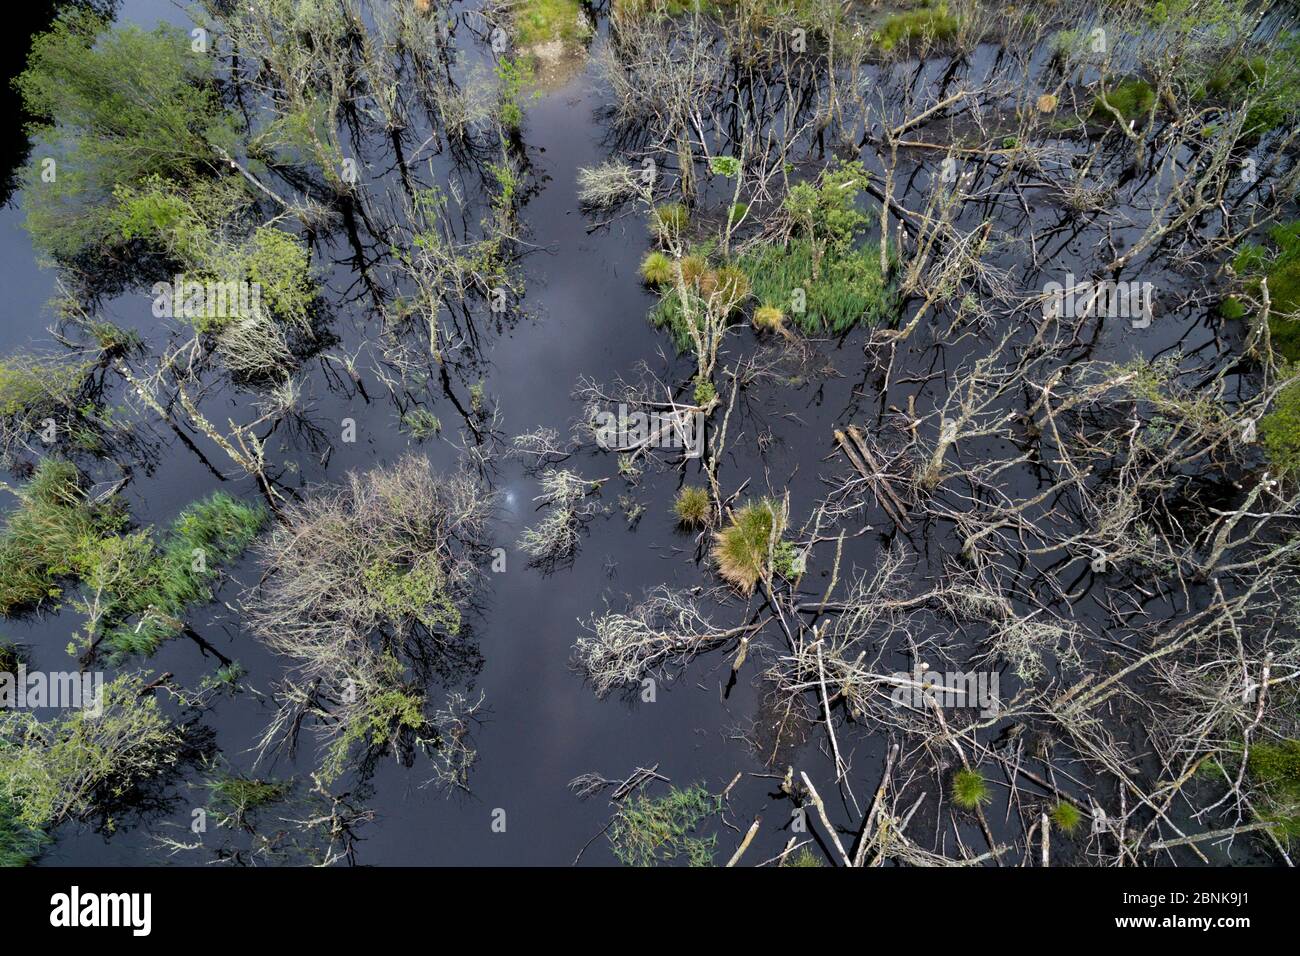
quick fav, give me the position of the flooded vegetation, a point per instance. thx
(652, 432)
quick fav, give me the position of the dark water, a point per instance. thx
(584, 313)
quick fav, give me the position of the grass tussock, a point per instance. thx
(693, 507)
(970, 790)
(746, 549)
(1066, 817)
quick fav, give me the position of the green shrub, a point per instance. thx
(1282, 269)
(969, 789)
(822, 278)
(118, 106)
(53, 769)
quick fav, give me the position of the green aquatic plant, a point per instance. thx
(804, 858)
(135, 591)
(969, 789)
(1280, 265)
(693, 507)
(138, 591)
(647, 832)
(235, 798)
(421, 423)
(822, 278)
(742, 549)
(513, 74)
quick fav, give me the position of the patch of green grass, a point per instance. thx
(1066, 817)
(830, 292)
(46, 535)
(934, 23)
(234, 798)
(1279, 431)
(1274, 767)
(741, 549)
(969, 789)
(693, 507)
(804, 858)
(647, 832)
(542, 21)
(824, 278)
(1132, 98)
(1282, 269)
(148, 588)
(20, 844)
(136, 590)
